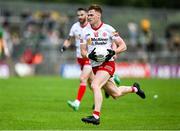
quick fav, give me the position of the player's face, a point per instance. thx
(82, 16)
(93, 17)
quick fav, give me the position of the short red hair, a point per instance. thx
(95, 7)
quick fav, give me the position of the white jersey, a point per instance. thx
(76, 31)
(95, 38)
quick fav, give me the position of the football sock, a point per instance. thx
(77, 102)
(134, 89)
(96, 114)
(81, 91)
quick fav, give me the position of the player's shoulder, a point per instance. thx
(75, 25)
(108, 27)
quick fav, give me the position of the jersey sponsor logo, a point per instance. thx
(99, 41)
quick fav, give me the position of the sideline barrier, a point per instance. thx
(129, 70)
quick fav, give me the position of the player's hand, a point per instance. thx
(110, 55)
(62, 49)
(93, 55)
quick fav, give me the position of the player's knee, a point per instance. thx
(83, 79)
(116, 95)
(94, 86)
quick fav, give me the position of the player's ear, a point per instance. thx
(98, 14)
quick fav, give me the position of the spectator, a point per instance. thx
(172, 35)
(146, 37)
(133, 33)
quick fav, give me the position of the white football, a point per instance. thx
(101, 53)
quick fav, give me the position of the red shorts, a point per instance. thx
(108, 66)
(83, 61)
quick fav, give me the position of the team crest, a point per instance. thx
(104, 34)
(89, 42)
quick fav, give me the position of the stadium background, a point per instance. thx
(42, 27)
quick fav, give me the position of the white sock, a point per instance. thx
(134, 89)
(96, 116)
(77, 102)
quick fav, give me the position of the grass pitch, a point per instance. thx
(40, 103)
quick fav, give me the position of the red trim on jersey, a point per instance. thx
(96, 28)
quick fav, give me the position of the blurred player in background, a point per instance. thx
(3, 45)
(86, 74)
(100, 35)
(5, 54)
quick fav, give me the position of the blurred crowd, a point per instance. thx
(144, 41)
(142, 37)
(22, 36)
(41, 28)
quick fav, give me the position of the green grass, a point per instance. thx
(40, 103)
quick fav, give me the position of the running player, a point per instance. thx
(99, 35)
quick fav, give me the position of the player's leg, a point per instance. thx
(116, 80)
(99, 80)
(90, 79)
(115, 92)
(89, 84)
(85, 74)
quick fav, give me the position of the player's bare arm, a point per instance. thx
(84, 52)
(68, 41)
(66, 44)
(121, 46)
